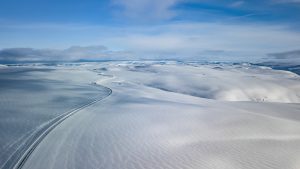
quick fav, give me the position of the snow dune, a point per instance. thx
(178, 116)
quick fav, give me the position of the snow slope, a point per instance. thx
(32, 98)
(170, 115)
(220, 82)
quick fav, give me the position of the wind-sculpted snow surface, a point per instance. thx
(221, 82)
(31, 98)
(168, 115)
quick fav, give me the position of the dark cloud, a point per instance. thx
(286, 55)
(19, 54)
(283, 60)
(86, 49)
(74, 53)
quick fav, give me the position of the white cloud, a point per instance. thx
(192, 39)
(177, 40)
(286, 1)
(143, 10)
(237, 4)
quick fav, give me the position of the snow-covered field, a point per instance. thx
(32, 98)
(175, 115)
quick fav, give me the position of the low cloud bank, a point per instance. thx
(74, 53)
(98, 53)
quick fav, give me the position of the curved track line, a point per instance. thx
(56, 121)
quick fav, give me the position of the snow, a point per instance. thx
(219, 82)
(31, 98)
(176, 115)
(169, 115)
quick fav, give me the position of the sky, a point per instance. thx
(33, 30)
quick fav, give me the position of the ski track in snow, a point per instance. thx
(26, 111)
(51, 125)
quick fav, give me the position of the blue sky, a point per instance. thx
(188, 29)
